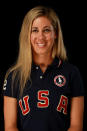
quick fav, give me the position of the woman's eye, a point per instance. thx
(35, 30)
(47, 30)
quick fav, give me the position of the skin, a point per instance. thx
(42, 41)
(10, 114)
(77, 109)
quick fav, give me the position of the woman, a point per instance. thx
(42, 91)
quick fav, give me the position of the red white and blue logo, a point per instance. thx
(60, 80)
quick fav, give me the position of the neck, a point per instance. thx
(43, 60)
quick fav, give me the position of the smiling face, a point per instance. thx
(42, 36)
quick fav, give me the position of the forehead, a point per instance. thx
(41, 21)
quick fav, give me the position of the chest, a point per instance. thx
(46, 92)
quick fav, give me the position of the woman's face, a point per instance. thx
(42, 36)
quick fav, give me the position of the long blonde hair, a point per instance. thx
(23, 65)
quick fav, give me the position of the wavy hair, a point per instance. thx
(23, 65)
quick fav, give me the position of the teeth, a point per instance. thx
(41, 45)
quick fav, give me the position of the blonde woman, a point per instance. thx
(42, 91)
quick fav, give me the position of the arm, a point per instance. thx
(76, 116)
(10, 114)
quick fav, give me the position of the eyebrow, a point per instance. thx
(34, 27)
(46, 26)
(43, 27)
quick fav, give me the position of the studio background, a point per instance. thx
(72, 19)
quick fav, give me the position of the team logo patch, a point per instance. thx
(60, 80)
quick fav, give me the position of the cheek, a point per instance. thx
(32, 38)
(51, 38)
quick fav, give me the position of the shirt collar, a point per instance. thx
(56, 63)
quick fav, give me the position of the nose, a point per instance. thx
(41, 35)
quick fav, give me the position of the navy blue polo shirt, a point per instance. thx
(45, 102)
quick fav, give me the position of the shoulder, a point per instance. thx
(73, 73)
(71, 68)
(10, 78)
(11, 75)
(10, 86)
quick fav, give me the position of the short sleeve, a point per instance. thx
(8, 89)
(76, 83)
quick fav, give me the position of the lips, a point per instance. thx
(41, 44)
